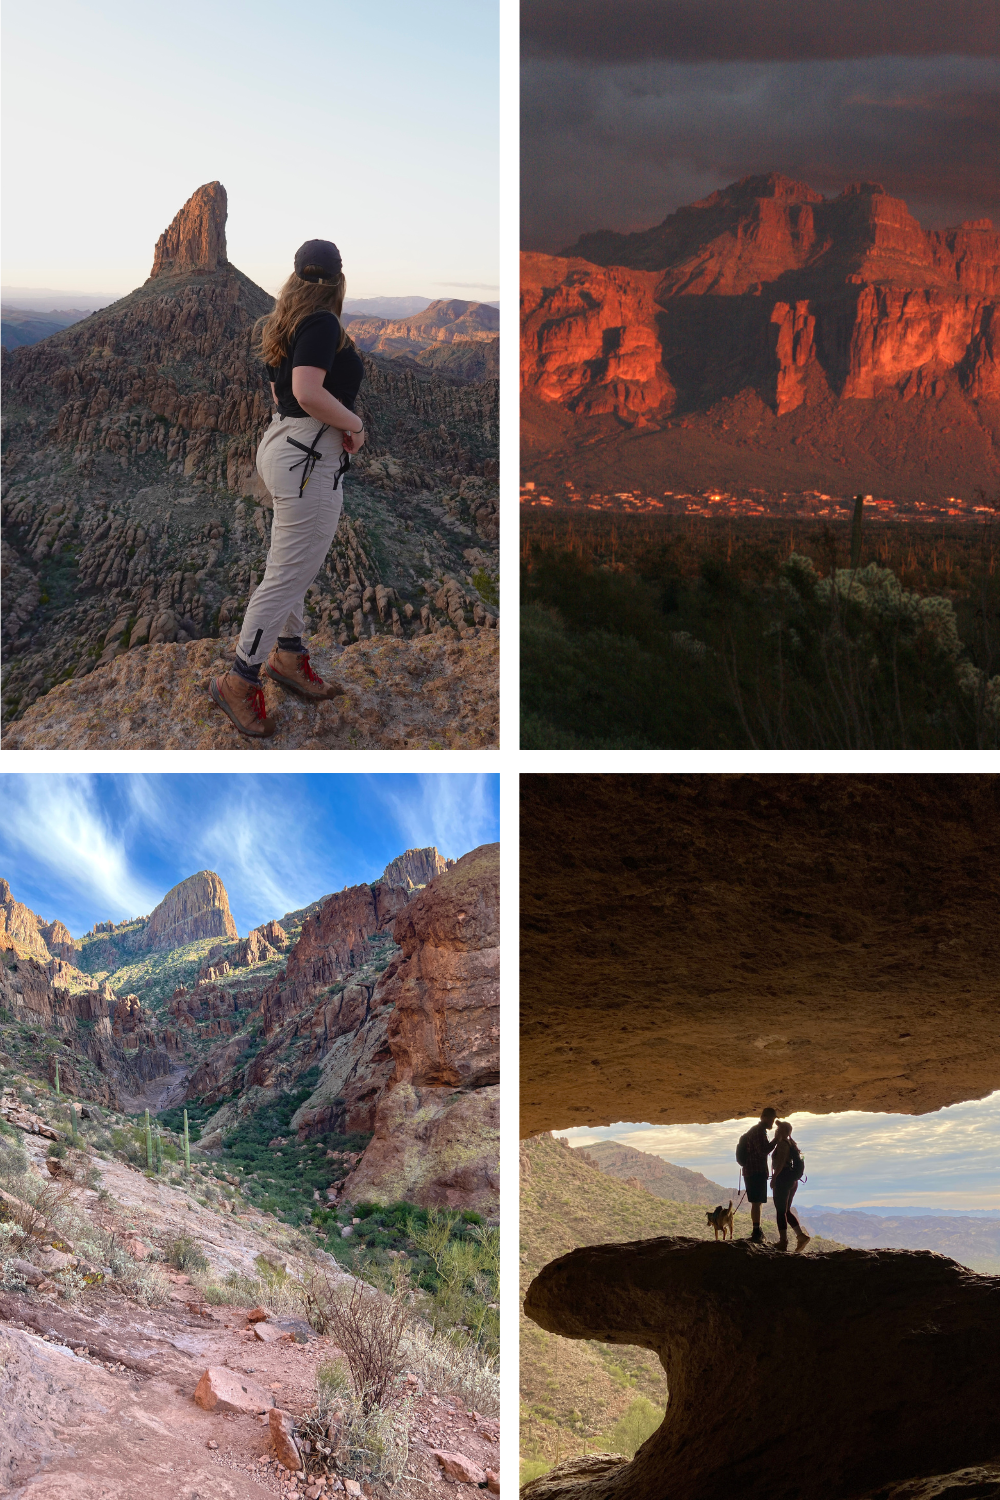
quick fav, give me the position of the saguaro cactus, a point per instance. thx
(149, 1145)
(159, 1151)
(859, 505)
(57, 1081)
(72, 1116)
(187, 1145)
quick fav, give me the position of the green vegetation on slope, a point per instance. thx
(579, 1395)
(716, 647)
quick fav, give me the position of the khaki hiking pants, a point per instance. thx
(304, 525)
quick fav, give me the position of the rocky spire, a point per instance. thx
(196, 908)
(196, 240)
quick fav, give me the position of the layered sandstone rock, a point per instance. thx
(765, 286)
(589, 338)
(436, 1126)
(197, 907)
(836, 1371)
(196, 239)
(415, 867)
(696, 947)
(28, 935)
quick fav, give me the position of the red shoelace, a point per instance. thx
(307, 671)
(255, 699)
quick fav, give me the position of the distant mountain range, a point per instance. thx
(768, 336)
(973, 1241)
(19, 326)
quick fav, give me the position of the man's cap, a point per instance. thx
(322, 259)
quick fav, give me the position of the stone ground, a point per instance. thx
(432, 692)
(117, 1419)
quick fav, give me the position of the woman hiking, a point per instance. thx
(786, 1169)
(315, 373)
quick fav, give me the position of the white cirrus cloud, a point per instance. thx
(455, 813)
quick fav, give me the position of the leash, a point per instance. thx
(308, 463)
(743, 1194)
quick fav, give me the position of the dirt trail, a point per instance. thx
(158, 1093)
(96, 1397)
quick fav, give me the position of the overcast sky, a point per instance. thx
(88, 849)
(632, 109)
(372, 125)
(948, 1159)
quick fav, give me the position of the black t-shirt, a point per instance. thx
(314, 343)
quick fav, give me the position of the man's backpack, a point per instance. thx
(743, 1150)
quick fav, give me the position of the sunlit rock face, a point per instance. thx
(765, 285)
(694, 948)
(821, 1376)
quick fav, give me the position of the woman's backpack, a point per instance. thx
(796, 1163)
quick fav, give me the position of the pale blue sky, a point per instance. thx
(375, 125)
(88, 849)
(948, 1159)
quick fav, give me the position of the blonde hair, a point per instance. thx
(296, 300)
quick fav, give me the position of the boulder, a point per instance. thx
(282, 1426)
(856, 1367)
(493, 1481)
(459, 1468)
(257, 1315)
(268, 1333)
(224, 1390)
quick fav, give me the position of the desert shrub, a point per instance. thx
(368, 1326)
(633, 1428)
(185, 1254)
(453, 1365)
(342, 1435)
(13, 1163)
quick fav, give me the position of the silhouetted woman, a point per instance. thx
(315, 375)
(785, 1173)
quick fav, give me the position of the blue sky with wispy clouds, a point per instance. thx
(86, 849)
(949, 1159)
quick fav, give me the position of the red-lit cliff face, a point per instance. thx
(765, 285)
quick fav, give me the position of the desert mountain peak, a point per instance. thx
(415, 867)
(196, 239)
(197, 907)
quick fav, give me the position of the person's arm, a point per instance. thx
(307, 388)
(274, 394)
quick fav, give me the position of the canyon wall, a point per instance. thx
(765, 285)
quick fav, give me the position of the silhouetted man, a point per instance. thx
(752, 1152)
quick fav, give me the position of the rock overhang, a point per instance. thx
(694, 948)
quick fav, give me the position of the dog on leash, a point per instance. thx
(722, 1218)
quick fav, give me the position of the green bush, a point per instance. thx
(185, 1254)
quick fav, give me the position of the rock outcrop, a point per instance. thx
(452, 337)
(196, 239)
(196, 908)
(766, 290)
(825, 1374)
(23, 931)
(434, 693)
(697, 947)
(415, 867)
(130, 440)
(436, 1128)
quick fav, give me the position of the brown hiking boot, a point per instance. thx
(244, 703)
(801, 1240)
(291, 670)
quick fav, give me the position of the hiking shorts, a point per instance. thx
(756, 1186)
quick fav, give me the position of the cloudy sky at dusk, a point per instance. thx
(88, 849)
(630, 110)
(948, 1160)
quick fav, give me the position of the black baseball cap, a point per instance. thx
(321, 257)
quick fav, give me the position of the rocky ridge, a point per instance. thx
(893, 1350)
(652, 1173)
(450, 337)
(766, 298)
(132, 510)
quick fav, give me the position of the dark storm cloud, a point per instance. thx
(757, 30)
(620, 146)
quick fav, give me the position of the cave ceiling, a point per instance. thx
(694, 948)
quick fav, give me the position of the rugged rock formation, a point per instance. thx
(132, 510)
(826, 1373)
(423, 694)
(589, 338)
(415, 867)
(196, 908)
(25, 932)
(436, 1137)
(196, 240)
(451, 337)
(697, 947)
(767, 293)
